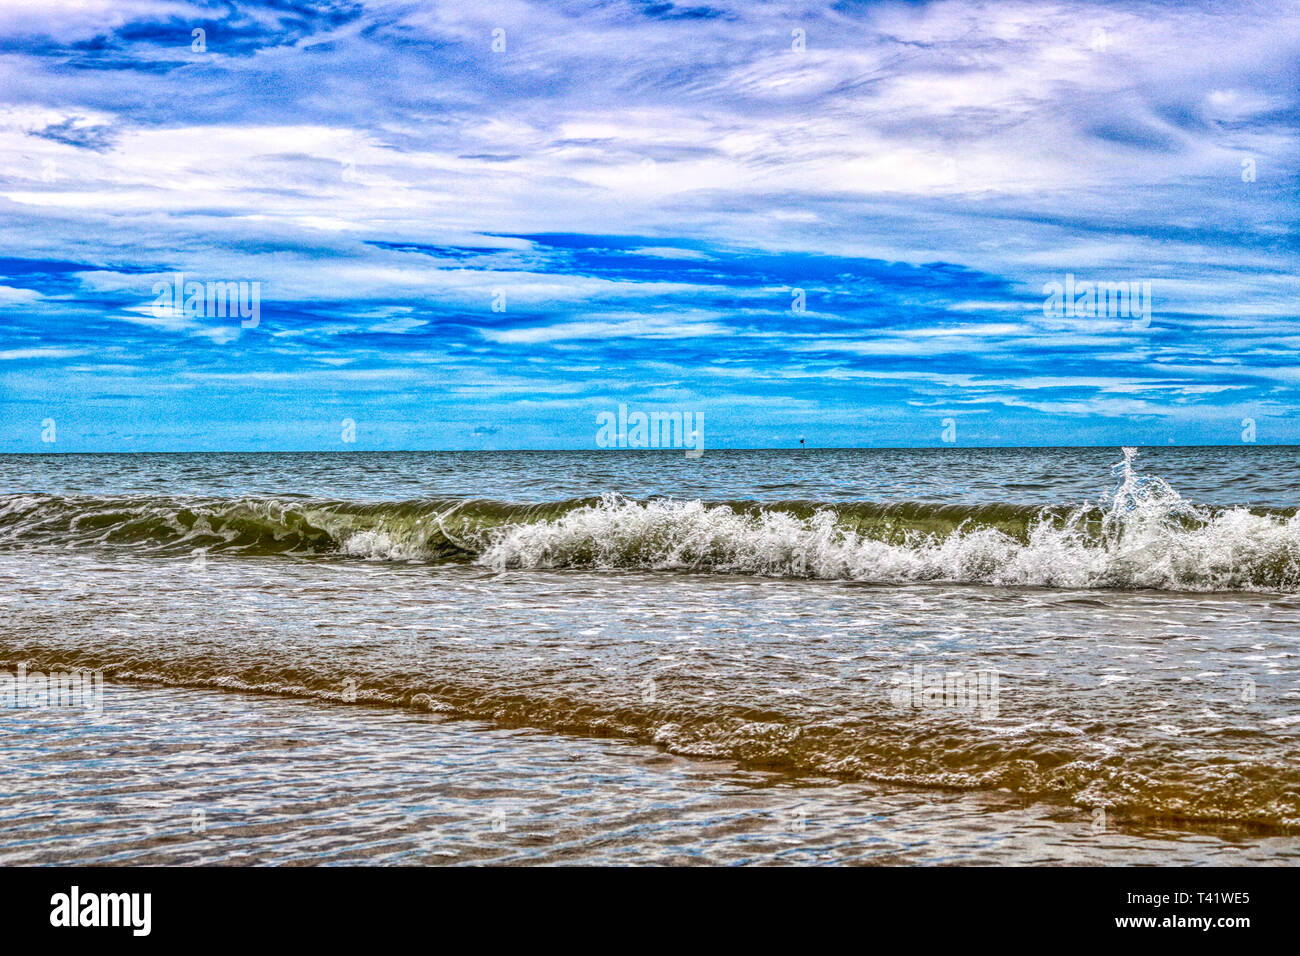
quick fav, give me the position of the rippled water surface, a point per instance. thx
(1037, 655)
(1251, 475)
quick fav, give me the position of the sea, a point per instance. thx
(799, 656)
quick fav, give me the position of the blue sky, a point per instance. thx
(466, 247)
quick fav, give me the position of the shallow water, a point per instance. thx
(171, 776)
(699, 687)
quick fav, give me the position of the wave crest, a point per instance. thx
(1144, 535)
(1148, 548)
(1147, 537)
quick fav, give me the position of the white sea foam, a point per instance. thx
(1149, 538)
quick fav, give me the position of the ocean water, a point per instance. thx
(891, 656)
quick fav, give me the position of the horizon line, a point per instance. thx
(800, 448)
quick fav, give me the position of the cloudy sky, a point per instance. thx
(478, 225)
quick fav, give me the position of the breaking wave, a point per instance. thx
(1144, 535)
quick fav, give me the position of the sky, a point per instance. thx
(481, 225)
